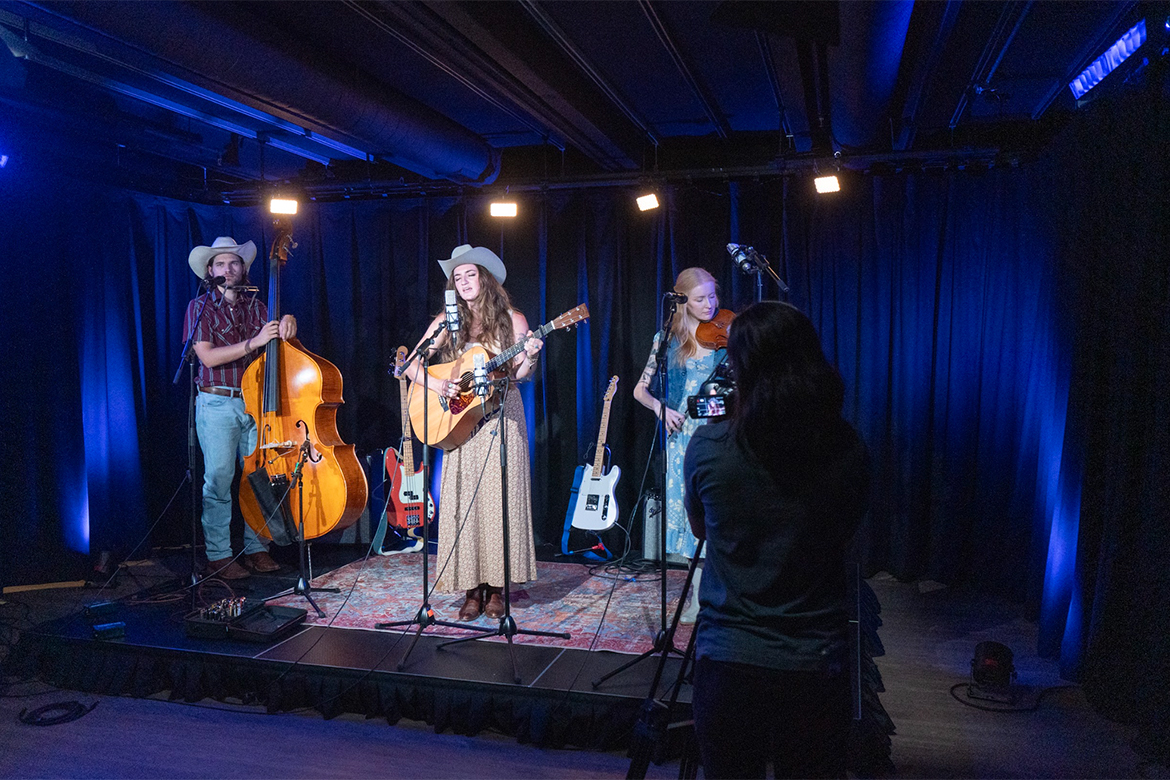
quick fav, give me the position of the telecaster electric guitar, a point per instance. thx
(405, 508)
(450, 421)
(597, 508)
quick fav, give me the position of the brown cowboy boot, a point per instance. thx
(493, 605)
(473, 605)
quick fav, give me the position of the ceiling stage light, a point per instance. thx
(282, 206)
(503, 209)
(827, 184)
(647, 202)
(1110, 61)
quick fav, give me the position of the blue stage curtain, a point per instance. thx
(1004, 400)
(1106, 179)
(932, 294)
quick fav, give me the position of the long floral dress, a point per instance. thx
(679, 539)
(471, 553)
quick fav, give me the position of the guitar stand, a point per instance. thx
(507, 627)
(303, 588)
(425, 617)
(596, 550)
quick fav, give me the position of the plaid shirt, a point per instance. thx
(223, 325)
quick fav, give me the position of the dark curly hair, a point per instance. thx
(787, 410)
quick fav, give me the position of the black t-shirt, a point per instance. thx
(773, 591)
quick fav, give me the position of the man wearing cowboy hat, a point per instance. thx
(232, 331)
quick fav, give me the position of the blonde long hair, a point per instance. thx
(493, 326)
(681, 330)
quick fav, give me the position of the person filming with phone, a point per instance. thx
(777, 490)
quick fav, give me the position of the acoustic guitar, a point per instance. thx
(451, 421)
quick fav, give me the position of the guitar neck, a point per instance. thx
(502, 359)
(407, 443)
(599, 457)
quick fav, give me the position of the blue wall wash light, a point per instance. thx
(3, 160)
(1110, 61)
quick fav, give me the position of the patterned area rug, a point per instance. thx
(565, 597)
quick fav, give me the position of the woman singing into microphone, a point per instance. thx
(688, 363)
(471, 555)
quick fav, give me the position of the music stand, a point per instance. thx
(507, 627)
(425, 617)
(664, 639)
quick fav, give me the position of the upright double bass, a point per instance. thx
(301, 470)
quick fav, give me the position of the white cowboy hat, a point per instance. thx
(479, 255)
(224, 245)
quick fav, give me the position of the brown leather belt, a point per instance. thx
(233, 392)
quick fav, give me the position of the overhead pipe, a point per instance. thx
(237, 54)
(996, 47)
(863, 70)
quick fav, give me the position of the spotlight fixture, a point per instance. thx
(278, 205)
(647, 202)
(503, 209)
(827, 184)
(3, 160)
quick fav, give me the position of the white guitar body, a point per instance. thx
(597, 508)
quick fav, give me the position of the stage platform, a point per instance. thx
(342, 664)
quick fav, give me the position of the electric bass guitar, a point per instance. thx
(596, 509)
(451, 421)
(407, 491)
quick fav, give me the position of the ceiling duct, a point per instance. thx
(269, 71)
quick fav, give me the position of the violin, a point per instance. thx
(712, 334)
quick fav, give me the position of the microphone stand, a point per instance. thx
(425, 616)
(655, 718)
(664, 639)
(304, 587)
(761, 263)
(507, 627)
(754, 263)
(188, 359)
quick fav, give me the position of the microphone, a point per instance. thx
(452, 312)
(214, 281)
(675, 297)
(744, 257)
(479, 375)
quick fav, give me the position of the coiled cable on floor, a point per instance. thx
(55, 714)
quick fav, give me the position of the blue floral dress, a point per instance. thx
(679, 539)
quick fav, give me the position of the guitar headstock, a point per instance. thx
(571, 317)
(400, 361)
(611, 389)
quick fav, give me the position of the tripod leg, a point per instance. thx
(312, 604)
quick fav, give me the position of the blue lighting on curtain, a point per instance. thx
(1110, 61)
(75, 516)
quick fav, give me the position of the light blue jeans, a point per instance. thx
(226, 434)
